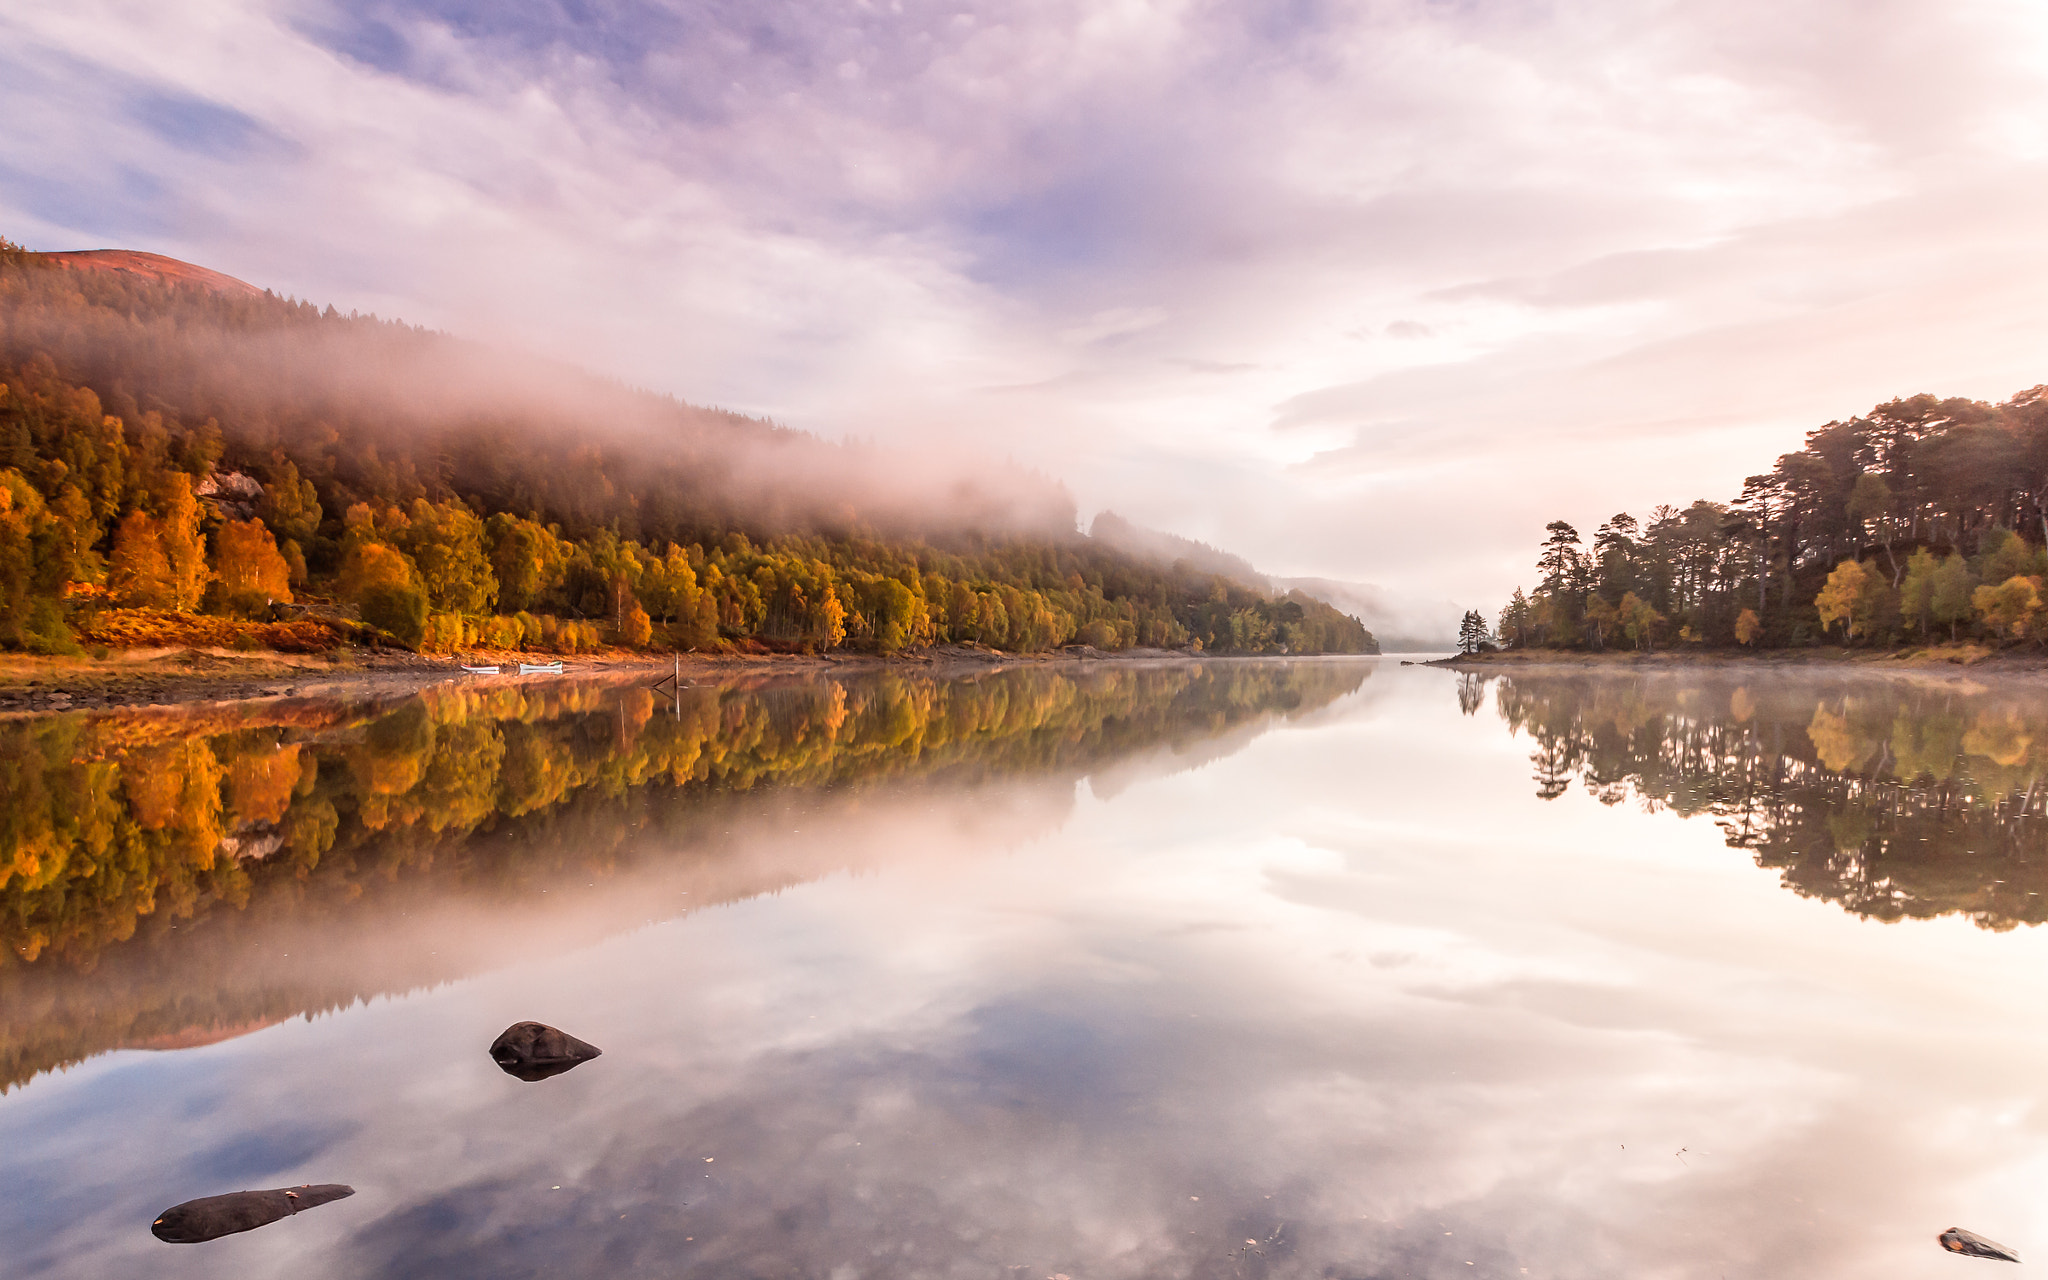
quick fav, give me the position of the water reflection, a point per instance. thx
(171, 879)
(1892, 797)
(1334, 983)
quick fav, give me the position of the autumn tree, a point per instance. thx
(18, 503)
(2011, 609)
(139, 574)
(1950, 596)
(184, 546)
(1638, 620)
(248, 567)
(381, 582)
(1916, 592)
(2006, 555)
(290, 508)
(1600, 618)
(1841, 599)
(445, 541)
(370, 565)
(637, 628)
(527, 559)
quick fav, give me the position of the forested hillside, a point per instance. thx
(181, 464)
(1922, 521)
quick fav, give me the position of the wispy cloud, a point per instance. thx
(1522, 261)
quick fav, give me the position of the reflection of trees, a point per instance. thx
(1471, 692)
(130, 846)
(1894, 799)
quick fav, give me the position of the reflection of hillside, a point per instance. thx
(158, 888)
(1894, 799)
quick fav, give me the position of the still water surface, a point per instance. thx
(1254, 969)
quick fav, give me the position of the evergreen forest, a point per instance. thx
(183, 465)
(1920, 522)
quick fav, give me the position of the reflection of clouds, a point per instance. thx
(1216, 1007)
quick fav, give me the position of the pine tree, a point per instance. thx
(1473, 633)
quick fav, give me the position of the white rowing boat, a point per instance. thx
(540, 668)
(480, 671)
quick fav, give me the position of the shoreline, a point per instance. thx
(1958, 660)
(144, 678)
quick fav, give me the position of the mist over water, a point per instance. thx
(1232, 969)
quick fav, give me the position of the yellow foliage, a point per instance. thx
(370, 565)
(2012, 608)
(261, 782)
(1836, 741)
(248, 565)
(161, 629)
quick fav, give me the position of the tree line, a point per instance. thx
(168, 454)
(1922, 521)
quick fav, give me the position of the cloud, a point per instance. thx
(1435, 245)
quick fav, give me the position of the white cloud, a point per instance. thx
(1467, 267)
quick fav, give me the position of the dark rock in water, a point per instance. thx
(212, 1217)
(1972, 1245)
(535, 1051)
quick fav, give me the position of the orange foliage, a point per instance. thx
(160, 629)
(370, 565)
(247, 563)
(260, 783)
(140, 574)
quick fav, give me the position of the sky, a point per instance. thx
(1366, 291)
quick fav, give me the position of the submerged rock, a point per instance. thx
(535, 1051)
(1972, 1245)
(211, 1217)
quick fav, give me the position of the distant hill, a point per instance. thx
(1403, 623)
(153, 267)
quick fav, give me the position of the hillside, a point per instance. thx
(176, 447)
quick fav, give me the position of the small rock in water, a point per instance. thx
(212, 1217)
(1972, 1245)
(534, 1051)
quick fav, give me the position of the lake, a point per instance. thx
(1325, 968)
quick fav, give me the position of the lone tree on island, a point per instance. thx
(1474, 635)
